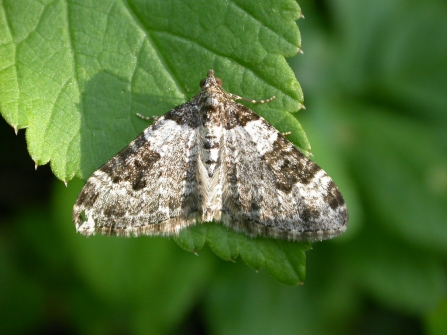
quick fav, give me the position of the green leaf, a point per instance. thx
(75, 73)
(284, 260)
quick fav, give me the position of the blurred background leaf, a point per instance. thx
(374, 78)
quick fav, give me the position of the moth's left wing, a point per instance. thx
(149, 187)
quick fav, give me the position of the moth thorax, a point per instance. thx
(212, 101)
(210, 147)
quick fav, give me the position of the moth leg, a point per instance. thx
(236, 97)
(148, 118)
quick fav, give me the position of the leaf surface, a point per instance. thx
(75, 74)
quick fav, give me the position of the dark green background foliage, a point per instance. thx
(374, 77)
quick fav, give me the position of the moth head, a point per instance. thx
(210, 80)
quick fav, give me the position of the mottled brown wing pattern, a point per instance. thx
(211, 159)
(272, 189)
(148, 188)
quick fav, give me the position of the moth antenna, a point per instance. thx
(264, 101)
(148, 118)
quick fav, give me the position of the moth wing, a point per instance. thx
(148, 188)
(274, 190)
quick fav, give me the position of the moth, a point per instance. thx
(211, 159)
